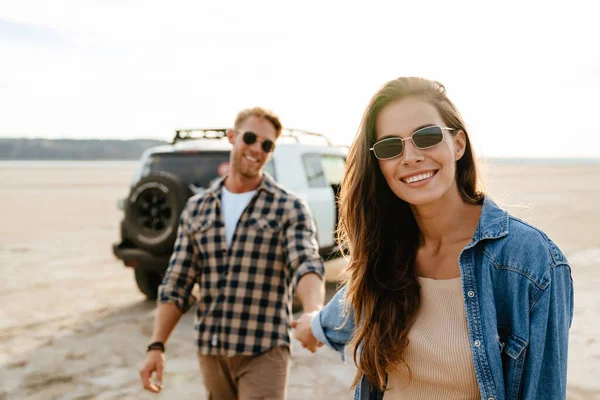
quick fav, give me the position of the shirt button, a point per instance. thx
(471, 293)
(477, 343)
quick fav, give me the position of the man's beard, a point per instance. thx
(247, 172)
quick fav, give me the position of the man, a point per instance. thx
(249, 244)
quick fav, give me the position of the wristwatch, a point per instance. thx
(156, 346)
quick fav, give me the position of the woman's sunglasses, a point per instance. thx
(423, 138)
(251, 138)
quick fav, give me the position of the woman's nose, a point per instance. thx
(411, 153)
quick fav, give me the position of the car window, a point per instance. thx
(197, 168)
(314, 170)
(323, 170)
(333, 168)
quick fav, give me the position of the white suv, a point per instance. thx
(303, 162)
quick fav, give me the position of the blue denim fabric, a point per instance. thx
(518, 295)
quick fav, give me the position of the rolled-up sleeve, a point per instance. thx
(334, 325)
(183, 270)
(545, 370)
(302, 248)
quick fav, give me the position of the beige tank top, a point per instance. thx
(438, 353)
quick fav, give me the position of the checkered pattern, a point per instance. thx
(246, 291)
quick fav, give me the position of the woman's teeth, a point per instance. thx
(417, 178)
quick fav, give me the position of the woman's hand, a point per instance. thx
(304, 332)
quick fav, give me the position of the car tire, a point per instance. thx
(148, 282)
(124, 234)
(152, 212)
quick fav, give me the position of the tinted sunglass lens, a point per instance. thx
(268, 146)
(388, 148)
(249, 137)
(428, 137)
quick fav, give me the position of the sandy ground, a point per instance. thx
(74, 326)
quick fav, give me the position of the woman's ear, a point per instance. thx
(460, 144)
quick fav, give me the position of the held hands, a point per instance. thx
(304, 332)
(155, 363)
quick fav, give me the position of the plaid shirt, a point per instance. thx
(246, 290)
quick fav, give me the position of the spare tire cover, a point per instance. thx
(152, 211)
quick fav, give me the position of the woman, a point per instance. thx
(446, 295)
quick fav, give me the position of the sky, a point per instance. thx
(524, 74)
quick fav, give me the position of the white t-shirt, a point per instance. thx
(232, 206)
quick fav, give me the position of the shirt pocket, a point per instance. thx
(265, 224)
(263, 229)
(199, 227)
(513, 351)
(204, 233)
(261, 242)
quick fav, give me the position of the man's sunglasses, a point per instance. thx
(423, 138)
(251, 138)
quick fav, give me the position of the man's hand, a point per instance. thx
(155, 363)
(304, 332)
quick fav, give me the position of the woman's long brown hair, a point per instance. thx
(381, 235)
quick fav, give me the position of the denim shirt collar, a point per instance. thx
(493, 223)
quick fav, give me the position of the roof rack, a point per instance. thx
(297, 133)
(204, 133)
(219, 133)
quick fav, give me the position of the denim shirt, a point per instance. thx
(518, 295)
